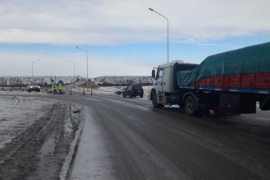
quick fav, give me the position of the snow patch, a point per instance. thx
(18, 113)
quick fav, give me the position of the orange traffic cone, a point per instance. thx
(83, 91)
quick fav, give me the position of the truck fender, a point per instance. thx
(151, 93)
(157, 93)
(194, 96)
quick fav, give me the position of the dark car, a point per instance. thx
(133, 91)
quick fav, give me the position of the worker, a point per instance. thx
(54, 88)
(60, 87)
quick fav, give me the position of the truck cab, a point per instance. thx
(165, 82)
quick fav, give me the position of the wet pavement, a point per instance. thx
(139, 142)
(125, 138)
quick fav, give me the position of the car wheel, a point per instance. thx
(124, 95)
(141, 96)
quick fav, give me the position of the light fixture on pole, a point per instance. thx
(33, 68)
(74, 71)
(86, 65)
(167, 31)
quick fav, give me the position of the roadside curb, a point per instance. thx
(72, 152)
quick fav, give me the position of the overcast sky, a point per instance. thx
(122, 37)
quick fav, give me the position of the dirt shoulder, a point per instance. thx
(40, 150)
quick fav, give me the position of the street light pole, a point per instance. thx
(86, 65)
(74, 71)
(33, 68)
(51, 72)
(167, 31)
(64, 75)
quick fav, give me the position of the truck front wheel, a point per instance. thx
(154, 100)
(190, 106)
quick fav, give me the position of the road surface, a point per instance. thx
(125, 138)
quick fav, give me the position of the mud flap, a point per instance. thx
(237, 103)
(266, 104)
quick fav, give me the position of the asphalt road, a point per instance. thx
(140, 142)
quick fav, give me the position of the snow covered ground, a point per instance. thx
(122, 79)
(38, 131)
(13, 80)
(18, 113)
(109, 90)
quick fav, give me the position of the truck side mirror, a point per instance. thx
(153, 73)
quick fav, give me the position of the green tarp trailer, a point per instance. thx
(251, 59)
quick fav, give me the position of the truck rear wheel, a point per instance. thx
(154, 100)
(190, 106)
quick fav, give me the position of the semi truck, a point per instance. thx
(233, 82)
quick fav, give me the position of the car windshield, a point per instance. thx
(34, 84)
(138, 87)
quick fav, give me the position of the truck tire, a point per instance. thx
(154, 100)
(190, 106)
(124, 95)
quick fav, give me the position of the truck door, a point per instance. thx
(159, 80)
